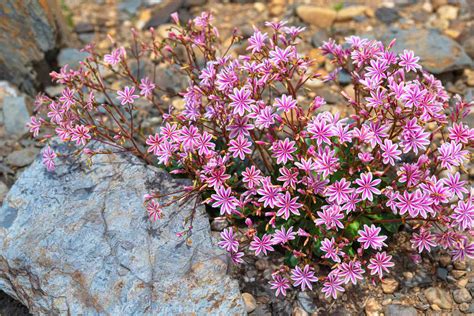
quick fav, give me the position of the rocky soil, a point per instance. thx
(440, 31)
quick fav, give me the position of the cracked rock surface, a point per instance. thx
(77, 241)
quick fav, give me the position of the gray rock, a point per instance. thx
(387, 15)
(86, 37)
(249, 301)
(438, 53)
(442, 273)
(82, 27)
(460, 265)
(307, 302)
(344, 77)
(438, 296)
(462, 296)
(399, 310)
(77, 241)
(29, 30)
(162, 14)
(15, 115)
(219, 223)
(22, 157)
(468, 46)
(71, 57)
(319, 37)
(470, 309)
(194, 3)
(153, 2)
(129, 6)
(6, 89)
(421, 278)
(3, 191)
(54, 91)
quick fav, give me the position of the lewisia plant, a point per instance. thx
(323, 191)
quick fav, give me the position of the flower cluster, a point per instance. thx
(317, 188)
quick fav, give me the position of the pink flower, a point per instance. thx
(377, 69)
(282, 236)
(351, 271)
(285, 103)
(390, 152)
(34, 126)
(409, 61)
(224, 199)
(303, 277)
(265, 118)
(165, 151)
(330, 216)
(48, 158)
(462, 250)
(455, 185)
(288, 177)
(80, 135)
(67, 98)
(367, 186)
(146, 87)
(241, 101)
(228, 241)
(332, 285)
(240, 127)
(257, 41)
(321, 131)
(331, 249)
(414, 203)
(463, 215)
(269, 193)
(282, 150)
(365, 157)
(307, 165)
(261, 245)
(287, 205)
(153, 142)
(451, 155)
(115, 57)
(240, 147)
(436, 190)
(380, 263)
(154, 210)
(56, 112)
(423, 240)
(414, 140)
(326, 162)
(460, 133)
(170, 132)
(189, 135)
(204, 144)
(339, 191)
(351, 203)
(279, 55)
(236, 257)
(126, 96)
(251, 176)
(377, 98)
(369, 237)
(279, 283)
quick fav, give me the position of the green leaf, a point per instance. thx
(352, 229)
(291, 261)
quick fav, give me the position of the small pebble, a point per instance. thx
(249, 301)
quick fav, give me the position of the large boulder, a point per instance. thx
(78, 241)
(30, 33)
(438, 53)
